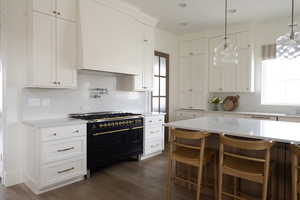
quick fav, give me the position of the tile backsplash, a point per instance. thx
(55, 103)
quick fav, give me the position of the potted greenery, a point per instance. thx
(216, 101)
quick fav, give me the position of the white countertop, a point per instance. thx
(153, 114)
(244, 113)
(286, 132)
(54, 122)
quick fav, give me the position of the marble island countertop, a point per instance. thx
(286, 132)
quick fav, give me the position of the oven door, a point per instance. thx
(108, 147)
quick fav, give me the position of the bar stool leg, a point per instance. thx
(220, 180)
(235, 187)
(294, 177)
(266, 176)
(215, 178)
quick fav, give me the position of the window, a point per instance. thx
(160, 83)
(281, 82)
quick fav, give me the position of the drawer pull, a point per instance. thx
(54, 134)
(150, 121)
(108, 132)
(77, 131)
(66, 170)
(67, 149)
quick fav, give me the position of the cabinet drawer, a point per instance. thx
(154, 131)
(62, 171)
(63, 149)
(54, 133)
(154, 120)
(153, 146)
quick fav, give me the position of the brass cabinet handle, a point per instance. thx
(66, 170)
(58, 13)
(76, 131)
(108, 132)
(67, 149)
(54, 12)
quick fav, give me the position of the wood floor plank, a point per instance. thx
(145, 180)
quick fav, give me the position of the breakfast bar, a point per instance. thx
(283, 134)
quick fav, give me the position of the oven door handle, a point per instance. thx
(108, 132)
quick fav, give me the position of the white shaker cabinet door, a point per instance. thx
(66, 9)
(185, 82)
(43, 49)
(244, 71)
(229, 77)
(199, 46)
(148, 57)
(215, 78)
(199, 79)
(185, 48)
(45, 6)
(66, 53)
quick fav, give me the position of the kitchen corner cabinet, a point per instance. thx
(52, 44)
(144, 80)
(233, 77)
(193, 75)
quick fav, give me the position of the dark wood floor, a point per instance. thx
(133, 180)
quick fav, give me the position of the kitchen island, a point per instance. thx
(283, 133)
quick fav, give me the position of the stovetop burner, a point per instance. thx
(104, 116)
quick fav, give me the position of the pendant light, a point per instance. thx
(226, 51)
(288, 45)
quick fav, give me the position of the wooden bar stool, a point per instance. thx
(244, 167)
(192, 155)
(295, 171)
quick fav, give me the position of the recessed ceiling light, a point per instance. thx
(183, 23)
(182, 5)
(232, 11)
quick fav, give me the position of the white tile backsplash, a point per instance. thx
(55, 103)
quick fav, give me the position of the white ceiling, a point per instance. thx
(201, 14)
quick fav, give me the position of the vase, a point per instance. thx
(215, 107)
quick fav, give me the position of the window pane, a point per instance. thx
(163, 91)
(280, 80)
(155, 104)
(163, 66)
(156, 86)
(162, 104)
(156, 65)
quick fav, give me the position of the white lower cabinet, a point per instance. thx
(54, 156)
(184, 115)
(154, 136)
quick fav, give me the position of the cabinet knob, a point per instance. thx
(146, 40)
(54, 134)
(55, 82)
(54, 12)
(58, 13)
(220, 89)
(191, 53)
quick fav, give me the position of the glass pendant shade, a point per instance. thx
(225, 52)
(288, 46)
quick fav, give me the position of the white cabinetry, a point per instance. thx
(226, 77)
(184, 115)
(193, 74)
(52, 46)
(144, 80)
(54, 156)
(154, 135)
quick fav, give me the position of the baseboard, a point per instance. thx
(144, 157)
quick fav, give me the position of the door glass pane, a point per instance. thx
(163, 66)
(156, 86)
(162, 104)
(156, 65)
(163, 91)
(155, 104)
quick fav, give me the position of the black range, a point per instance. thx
(111, 137)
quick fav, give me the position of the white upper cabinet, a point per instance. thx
(51, 48)
(67, 9)
(43, 50)
(245, 82)
(193, 47)
(232, 77)
(193, 75)
(110, 39)
(147, 61)
(66, 53)
(44, 6)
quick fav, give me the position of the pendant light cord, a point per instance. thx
(226, 5)
(293, 23)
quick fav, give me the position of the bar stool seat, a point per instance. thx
(191, 156)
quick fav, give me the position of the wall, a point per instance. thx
(262, 33)
(58, 103)
(167, 42)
